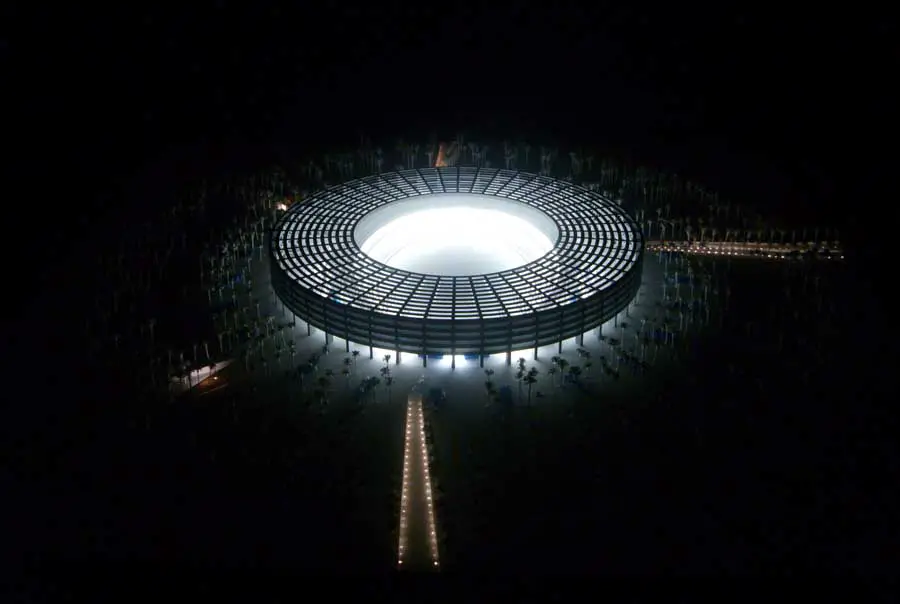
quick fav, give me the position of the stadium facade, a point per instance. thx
(590, 273)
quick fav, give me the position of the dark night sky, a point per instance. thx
(756, 103)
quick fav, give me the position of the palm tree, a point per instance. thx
(575, 372)
(531, 380)
(355, 354)
(613, 345)
(489, 389)
(364, 388)
(388, 382)
(323, 383)
(520, 375)
(586, 355)
(489, 373)
(562, 370)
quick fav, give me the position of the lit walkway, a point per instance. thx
(417, 548)
(777, 251)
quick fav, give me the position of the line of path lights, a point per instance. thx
(415, 441)
(429, 498)
(748, 250)
(404, 497)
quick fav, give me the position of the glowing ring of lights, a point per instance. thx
(592, 272)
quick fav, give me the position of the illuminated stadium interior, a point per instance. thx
(456, 234)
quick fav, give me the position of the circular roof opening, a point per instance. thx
(456, 234)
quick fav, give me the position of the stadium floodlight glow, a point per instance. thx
(460, 240)
(449, 360)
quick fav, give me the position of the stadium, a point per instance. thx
(460, 261)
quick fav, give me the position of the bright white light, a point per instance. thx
(457, 241)
(378, 354)
(447, 361)
(456, 234)
(521, 354)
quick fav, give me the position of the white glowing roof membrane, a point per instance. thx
(333, 245)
